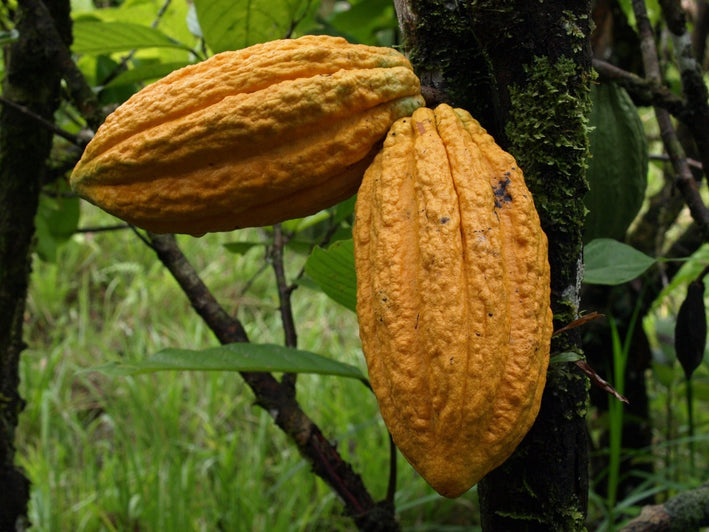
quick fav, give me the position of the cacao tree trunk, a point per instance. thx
(523, 68)
(30, 92)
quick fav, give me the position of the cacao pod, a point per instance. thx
(617, 171)
(452, 296)
(247, 138)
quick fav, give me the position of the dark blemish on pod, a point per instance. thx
(500, 191)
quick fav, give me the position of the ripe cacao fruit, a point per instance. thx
(452, 296)
(247, 138)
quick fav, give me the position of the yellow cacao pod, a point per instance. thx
(247, 138)
(452, 296)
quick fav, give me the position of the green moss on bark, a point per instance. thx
(547, 133)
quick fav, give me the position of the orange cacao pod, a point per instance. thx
(452, 296)
(253, 137)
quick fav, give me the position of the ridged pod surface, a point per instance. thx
(452, 296)
(248, 138)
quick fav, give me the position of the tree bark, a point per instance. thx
(32, 82)
(523, 68)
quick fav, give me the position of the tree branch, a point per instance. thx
(693, 87)
(684, 179)
(51, 126)
(644, 91)
(275, 398)
(684, 512)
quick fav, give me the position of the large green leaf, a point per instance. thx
(98, 37)
(333, 271)
(235, 357)
(610, 262)
(617, 173)
(236, 24)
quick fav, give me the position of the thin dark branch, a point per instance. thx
(286, 309)
(104, 229)
(644, 91)
(693, 86)
(684, 180)
(43, 122)
(664, 157)
(284, 298)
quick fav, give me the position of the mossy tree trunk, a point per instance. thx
(31, 82)
(523, 68)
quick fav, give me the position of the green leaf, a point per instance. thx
(607, 261)
(93, 37)
(334, 272)
(56, 221)
(148, 71)
(241, 248)
(617, 173)
(236, 24)
(344, 210)
(566, 356)
(235, 357)
(364, 20)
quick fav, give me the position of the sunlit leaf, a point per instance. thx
(236, 24)
(93, 37)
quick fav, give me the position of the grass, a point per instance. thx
(186, 450)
